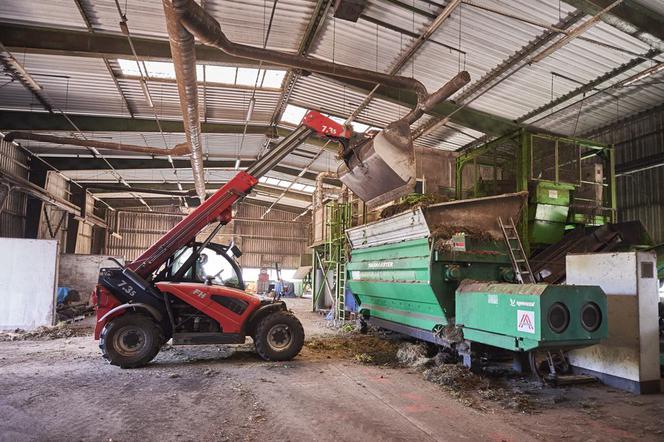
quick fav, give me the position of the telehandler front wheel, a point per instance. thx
(279, 337)
(131, 340)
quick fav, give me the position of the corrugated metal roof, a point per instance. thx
(328, 96)
(242, 21)
(216, 146)
(653, 5)
(471, 38)
(61, 13)
(600, 109)
(74, 84)
(533, 86)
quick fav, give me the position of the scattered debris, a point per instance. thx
(368, 349)
(414, 355)
(443, 232)
(412, 202)
(62, 330)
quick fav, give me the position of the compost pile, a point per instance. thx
(442, 233)
(61, 330)
(412, 202)
(472, 389)
(368, 349)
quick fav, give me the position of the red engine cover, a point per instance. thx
(229, 307)
(103, 301)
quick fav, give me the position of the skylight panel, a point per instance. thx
(272, 78)
(293, 114)
(246, 76)
(231, 75)
(220, 74)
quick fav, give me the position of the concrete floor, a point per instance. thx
(62, 390)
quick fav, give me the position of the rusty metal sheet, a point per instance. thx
(479, 214)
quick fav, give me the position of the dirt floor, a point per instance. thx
(343, 386)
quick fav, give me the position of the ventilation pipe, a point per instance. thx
(203, 26)
(178, 150)
(184, 62)
(377, 169)
(319, 193)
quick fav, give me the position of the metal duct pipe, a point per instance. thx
(179, 149)
(208, 30)
(318, 195)
(446, 91)
(184, 61)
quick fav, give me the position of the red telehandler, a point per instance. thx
(173, 290)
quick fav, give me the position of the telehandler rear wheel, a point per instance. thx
(131, 340)
(279, 337)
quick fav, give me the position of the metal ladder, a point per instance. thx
(341, 292)
(520, 264)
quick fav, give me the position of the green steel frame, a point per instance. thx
(331, 256)
(512, 155)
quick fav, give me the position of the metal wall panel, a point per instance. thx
(264, 242)
(640, 194)
(85, 230)
(53, 221)
(12, 218)
(138, 230)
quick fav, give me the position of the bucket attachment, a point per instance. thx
(381, 169)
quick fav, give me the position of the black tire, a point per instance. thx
(131, 340)
(279, 337)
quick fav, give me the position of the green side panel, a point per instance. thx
(551, 193)
(544, 232)
(394, 282)
(548, 212)
(588, 220)
(515, 317)
(574, 297)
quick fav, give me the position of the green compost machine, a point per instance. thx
(443, 274)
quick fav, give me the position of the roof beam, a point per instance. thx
(41, 40)
(468, 117)
(78, 43)
(588, 87)
(645, 163)
(314, 26)
(88, 24)
(172, 190)
(410, 51)
(502, 71)
(40, 121)
(629, 17)
(87, 163)
(16, 70)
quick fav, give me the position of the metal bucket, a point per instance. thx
(383, 168)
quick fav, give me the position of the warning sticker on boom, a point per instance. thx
(525, 321)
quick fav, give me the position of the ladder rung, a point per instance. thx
(520, 260)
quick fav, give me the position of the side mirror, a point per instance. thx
(234, 250)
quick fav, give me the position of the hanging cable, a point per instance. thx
(252, 100)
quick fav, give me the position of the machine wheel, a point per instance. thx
(364, 327)
(541, 362)
(279, 337)
(130, 340)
